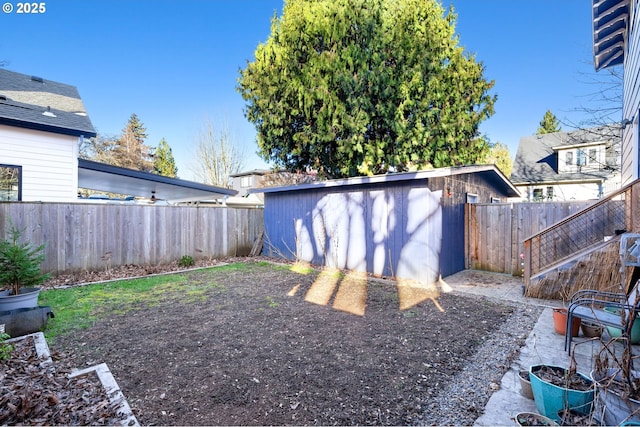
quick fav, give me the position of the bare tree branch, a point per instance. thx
(217, 156)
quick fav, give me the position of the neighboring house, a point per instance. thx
(563, 166)
(258, 178)
(404, 225)
(244, 181)
(41, 126)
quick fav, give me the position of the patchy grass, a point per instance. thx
(80, 307)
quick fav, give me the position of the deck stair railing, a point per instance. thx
(617, 213)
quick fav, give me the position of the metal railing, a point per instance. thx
(615, 214)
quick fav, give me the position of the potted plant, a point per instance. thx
(590, 329)
(617, 383)
(525, 384)
(634, 334)
(556, 388)
(560, 316)
(560, 322)
(20, 273)
(533, 419)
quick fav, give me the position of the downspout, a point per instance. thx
(600, 189)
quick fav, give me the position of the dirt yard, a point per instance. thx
(274, 347)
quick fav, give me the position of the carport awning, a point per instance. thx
(112, 179)
(610, 22)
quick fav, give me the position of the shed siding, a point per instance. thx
(631, 103)
(49, 163)
(410, 229)
(402, 230)
(391, 231)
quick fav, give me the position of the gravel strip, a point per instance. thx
(464, 399)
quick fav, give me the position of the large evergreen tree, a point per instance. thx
(163, 162)
(131, 151)
(352, 87)
(548, 124)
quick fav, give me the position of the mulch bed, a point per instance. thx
(31, 394)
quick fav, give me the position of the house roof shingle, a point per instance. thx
(24, 99)
(536, 160)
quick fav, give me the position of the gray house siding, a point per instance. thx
(631, 103)
(409, 229)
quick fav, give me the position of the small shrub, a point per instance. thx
(186, 261)
(5, 349)
(20, 263)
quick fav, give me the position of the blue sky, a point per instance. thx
(175, 62)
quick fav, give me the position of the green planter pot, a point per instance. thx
(551, 399)
(616, 332)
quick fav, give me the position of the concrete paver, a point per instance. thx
(543, 346)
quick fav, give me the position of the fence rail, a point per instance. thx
(95, 236)
(615, 214)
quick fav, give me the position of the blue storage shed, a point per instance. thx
(402, 225)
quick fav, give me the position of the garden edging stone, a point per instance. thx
(109, 384)
(112, 390)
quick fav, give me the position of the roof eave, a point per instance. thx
(610, 23)
(394, 177)
(114, 179)
(47, 128)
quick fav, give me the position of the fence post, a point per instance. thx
(527, 264)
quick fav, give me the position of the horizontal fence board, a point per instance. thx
(92, 237)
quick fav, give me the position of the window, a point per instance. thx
(582, 158)
(550, 193)
(495, 200)
(472, 198)
(569, 158)
(246, 181)
(537, 194)
(593, 153)
(10, 183)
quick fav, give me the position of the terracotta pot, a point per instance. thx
(560, 322)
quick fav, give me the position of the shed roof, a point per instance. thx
(610, 23)
(35, 103)
(490, 172)
(114, 179)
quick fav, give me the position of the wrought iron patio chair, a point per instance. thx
(603, 308)
(590, 304)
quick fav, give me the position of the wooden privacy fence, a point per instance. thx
(97, 236)
(495, 232)
(615, 214)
